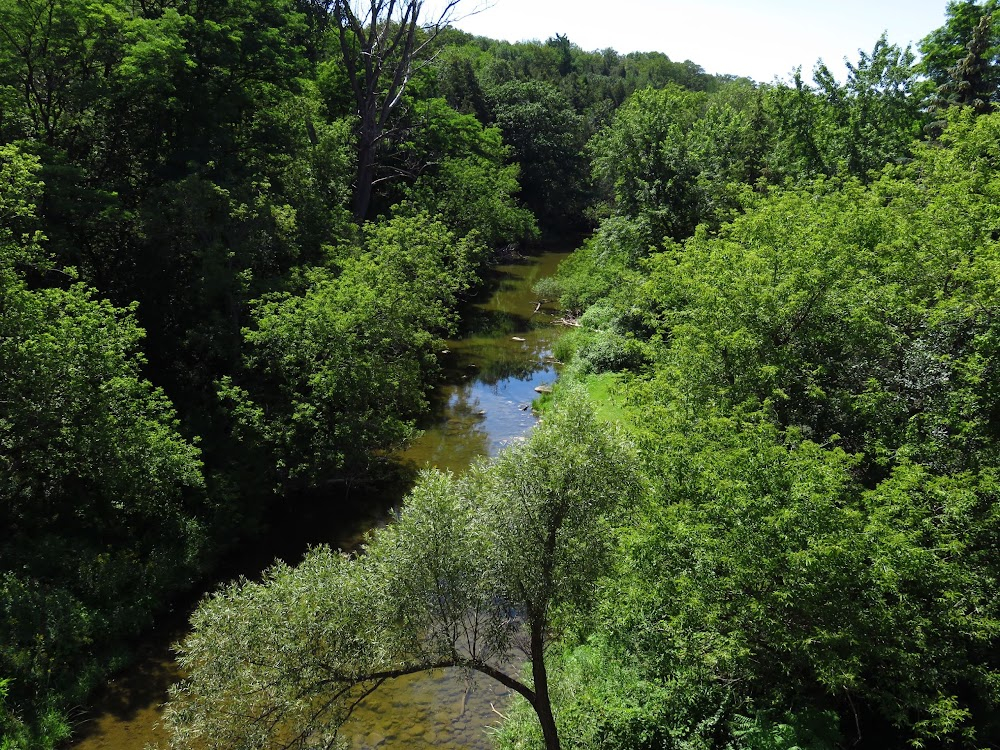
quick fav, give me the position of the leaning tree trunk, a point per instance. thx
(539, 675)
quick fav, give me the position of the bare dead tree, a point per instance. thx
(382, 41)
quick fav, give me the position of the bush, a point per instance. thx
(611, 352)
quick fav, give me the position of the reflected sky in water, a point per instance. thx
(491, 373)
(483, 403)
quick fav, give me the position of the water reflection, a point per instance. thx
(490, 376)
(491, 373)
(484, 403)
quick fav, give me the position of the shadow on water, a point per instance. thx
(127, 709)
(483, 403)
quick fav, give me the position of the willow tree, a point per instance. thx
(381, 42)
(475, 573)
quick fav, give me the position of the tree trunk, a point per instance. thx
(366, 176)
(378, 45)
(542, 704)
(369, 133)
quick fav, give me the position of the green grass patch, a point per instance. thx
(604, 391)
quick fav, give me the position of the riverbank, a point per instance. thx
(482, 403)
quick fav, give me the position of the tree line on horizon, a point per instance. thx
(234, 231)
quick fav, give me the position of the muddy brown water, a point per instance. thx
(482, 404)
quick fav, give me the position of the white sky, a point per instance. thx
(760, 39)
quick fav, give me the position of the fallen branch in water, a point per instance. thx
(567, 320)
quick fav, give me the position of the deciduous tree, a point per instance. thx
(100, 496)
(381, 41)
(475, 573)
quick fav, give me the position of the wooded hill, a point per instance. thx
(230, 242)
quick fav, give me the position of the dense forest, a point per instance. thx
(759, 511)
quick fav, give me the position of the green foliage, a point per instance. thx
(595, 82)
(855, 333)
(52, 727)
(875, 115)
(100, 493)
(341, 370)
(571, 476)
(644, 159)
(607, 263)
(787, 580)
(463, 177)
(19, 237)
(818, 419)
(813, 384)
(963, 57)
(468, 566)
(458, 81)
(676, 158)
(605, 702)
(606, 343)
(546, 138)
(162, 221)
(100, 497)
(476, 195)
(608, 351)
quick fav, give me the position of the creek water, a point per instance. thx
(504, 351)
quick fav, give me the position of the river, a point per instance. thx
(482, 403)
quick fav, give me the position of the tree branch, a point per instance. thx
(478, 666)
